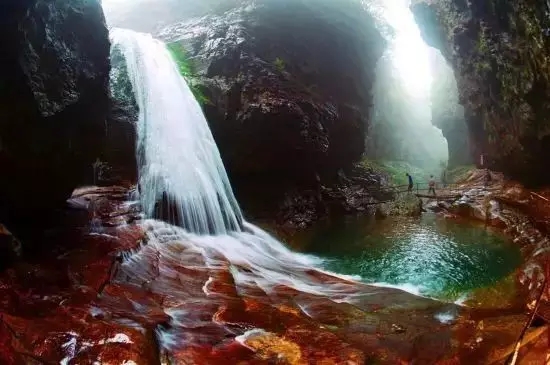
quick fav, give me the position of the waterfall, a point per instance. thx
(206, 258)
(178, 158)
(181, 175)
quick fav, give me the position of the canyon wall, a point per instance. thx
(53, 103)
(499, 51)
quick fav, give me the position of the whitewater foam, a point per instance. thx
(445, 318)
(256, 332)
(253, 258)
(409, 288)
(181, 174)
(179, 164)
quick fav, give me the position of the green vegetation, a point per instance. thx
(182, 60)
(279, 64)
(482, 44)
(188, 71)
(396, 171)
(458, 173)
(482, 66)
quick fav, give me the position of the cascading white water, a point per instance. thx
(217, 258)
(179, 163)
(179, 157)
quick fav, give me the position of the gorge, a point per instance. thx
(133, 249)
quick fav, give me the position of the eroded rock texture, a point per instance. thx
(287, 89)
(53, 103)
(499, 52)
(448, 114)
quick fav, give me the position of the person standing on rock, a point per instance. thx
(431, 185)
(488, 178)
(410, 188)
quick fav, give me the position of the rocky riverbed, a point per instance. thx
(112, 288)
(524, 216)
(508, 207)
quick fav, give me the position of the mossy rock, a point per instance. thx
(406, 205)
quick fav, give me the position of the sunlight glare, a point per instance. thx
(410, 55)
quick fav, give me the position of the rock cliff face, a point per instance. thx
(119, 152)
(499, 52)
(287, 90)
(448, 114)
(402, 126)
(53, 103)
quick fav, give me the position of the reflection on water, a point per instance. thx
(438, 257)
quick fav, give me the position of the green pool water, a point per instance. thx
(438, 257)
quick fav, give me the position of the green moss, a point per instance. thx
(482, 66)
(188, 70)
(182, 60)
(279, 64)
(482, 48)
(482, 45)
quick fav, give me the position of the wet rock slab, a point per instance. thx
(143, 293)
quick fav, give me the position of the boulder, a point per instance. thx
(406, 205)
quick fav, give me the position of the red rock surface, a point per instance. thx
(522, 214)
(124, 291)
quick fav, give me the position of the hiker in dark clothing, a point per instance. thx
(431, 185)
(488, 177)
(410, 189)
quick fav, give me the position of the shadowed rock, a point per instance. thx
(499, 53)
(53, 104)
(287, 89)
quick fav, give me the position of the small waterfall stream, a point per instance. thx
(182, 177)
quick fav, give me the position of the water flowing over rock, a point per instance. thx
(287, 89)
(107, 286)
(144, 292)
(53, 104)
(182, 178)
(499, 51)
(213, 293)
